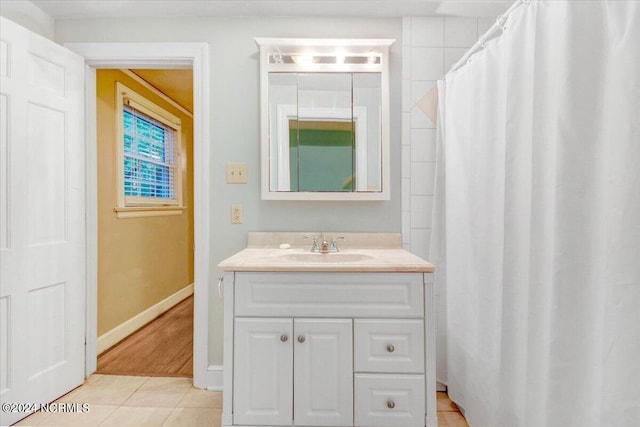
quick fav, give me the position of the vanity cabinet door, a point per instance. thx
(263, 373)
(323, 372)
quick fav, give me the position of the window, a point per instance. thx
(149, 157)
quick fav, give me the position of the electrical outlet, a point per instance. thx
(236, 173)
(236, 214)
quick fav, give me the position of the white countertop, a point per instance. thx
(377, 252)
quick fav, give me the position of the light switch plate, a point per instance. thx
(236, 173)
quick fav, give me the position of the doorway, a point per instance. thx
(145, 221)
(165, 56)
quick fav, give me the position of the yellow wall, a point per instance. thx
(141, 261)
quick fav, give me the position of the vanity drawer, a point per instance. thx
(307, 294)
(389, 345)
(389, 400)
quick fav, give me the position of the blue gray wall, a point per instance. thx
(235, 127)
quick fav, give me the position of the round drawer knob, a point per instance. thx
(284, 338)
(391, 348)
(301, 339)
(391, 404)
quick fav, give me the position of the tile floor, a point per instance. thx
(122, 401)
(125, 401)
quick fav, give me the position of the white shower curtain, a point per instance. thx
(540, 242)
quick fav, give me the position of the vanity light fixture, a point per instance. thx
(324, 56)
(278, 58)
(304, 59)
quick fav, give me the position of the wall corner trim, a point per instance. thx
(120, 332)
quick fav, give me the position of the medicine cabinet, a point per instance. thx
(324, 119)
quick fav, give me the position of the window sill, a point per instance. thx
(142, 211)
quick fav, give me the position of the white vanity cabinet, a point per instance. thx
(329, 349)
(273, 357)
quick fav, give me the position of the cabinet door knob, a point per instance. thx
(284, 338)
(391, 404)
(301, 339)
(391, 348)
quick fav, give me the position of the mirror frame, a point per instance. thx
(378, 49)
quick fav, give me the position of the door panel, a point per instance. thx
(46, 190)
(42, 226)
(262, 378)
(323, 372)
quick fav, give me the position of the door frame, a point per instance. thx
(193, 56)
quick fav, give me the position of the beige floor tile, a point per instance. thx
(197, 398)
(451, 419)
(92, 418)
(194, 417)
(37, 419)
(445, 404)
(115, 380)
(132, 416)
(105, 390)
(160, 392)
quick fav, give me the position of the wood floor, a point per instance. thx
(162, 348)
(448, 413)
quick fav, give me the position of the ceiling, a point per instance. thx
(61, 9)
(176, 84)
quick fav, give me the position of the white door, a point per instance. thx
(323, 373)
(42, 226)
(263, 370)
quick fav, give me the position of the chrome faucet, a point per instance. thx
(322, 246)
(316, 247)
(334, 244)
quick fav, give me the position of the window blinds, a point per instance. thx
(149, 155)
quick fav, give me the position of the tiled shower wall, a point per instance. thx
(430, 46)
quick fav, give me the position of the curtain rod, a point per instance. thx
(482, 41)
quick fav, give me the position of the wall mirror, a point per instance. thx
(324, 119)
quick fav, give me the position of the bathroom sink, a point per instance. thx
(338, 257)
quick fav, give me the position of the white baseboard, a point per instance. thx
(431, 421)
(214, 377)
(120, 332)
